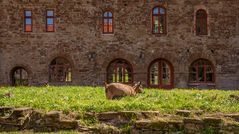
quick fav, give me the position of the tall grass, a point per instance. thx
(92, 99)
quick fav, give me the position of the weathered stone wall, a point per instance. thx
(150, 122)
(79, 33)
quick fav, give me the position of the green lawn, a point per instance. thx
(92, 99)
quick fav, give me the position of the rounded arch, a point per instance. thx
(120, 70)
(19, 76)
(60, 70)
(202, 71)
(161, 74)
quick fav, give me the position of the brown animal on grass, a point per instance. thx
(118, 90)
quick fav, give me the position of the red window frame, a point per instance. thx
(112, 70)
(160, 16)
(50, 17)
(107, 25)
(159, 63)
(201, 26)
(205, 64)
(26, 26)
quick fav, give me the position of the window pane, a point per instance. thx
(110, 14)
(162, 11)
(156, 24)
(209, 77)
(105, 21)
(28, 13)
(28, 21)
(50, 28)
(106, 14)
(201, 74)
(50, 21)
(162, 23)
(154, 74)
(156, 10)
(28, 28)
(50, 13)
(165, 74)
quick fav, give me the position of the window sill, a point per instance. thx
(197, 84)
(107, 34)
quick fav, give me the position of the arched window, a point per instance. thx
(120, 71)
(201, 22)
(60, 70)
(19, 77)
(108, 23)
(159, 20)
(201, 71)
(161, 74)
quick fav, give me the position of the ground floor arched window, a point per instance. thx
(20, 77)
(161, 74)
(201, 71)
(60, 70)
(120, 71)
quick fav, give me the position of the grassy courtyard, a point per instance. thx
(92, 99)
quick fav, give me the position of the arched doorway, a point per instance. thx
(120, 71)
(160, 74)
(19, 77)
(60, 70)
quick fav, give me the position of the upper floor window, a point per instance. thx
(50, 21)
(201, 71)
(108, 23)
(159, 20)
(201, 22)
(28, 21)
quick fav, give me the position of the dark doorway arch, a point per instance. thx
(19, 77)
(160, 74)
(60, 70)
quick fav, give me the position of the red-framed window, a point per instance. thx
(201, 71)
(50, 24)
(159, 20)
(161, 74)
(108, 23)
(28, 21)
(201, 22)
(120, 71)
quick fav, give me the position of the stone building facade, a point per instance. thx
(78, 52)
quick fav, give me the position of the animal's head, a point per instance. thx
(138, 87)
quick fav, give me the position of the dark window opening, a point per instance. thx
(201, 22)
(60, 70)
